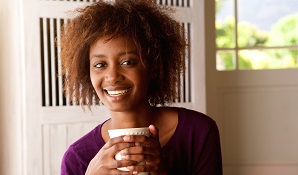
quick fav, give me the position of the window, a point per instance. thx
(256, 35)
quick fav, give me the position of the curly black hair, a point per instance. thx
(157, 35)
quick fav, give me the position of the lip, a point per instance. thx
(117, 92)
(116, 88)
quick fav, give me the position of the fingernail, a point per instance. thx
(126, 138)
(134, 172)
(123, 157)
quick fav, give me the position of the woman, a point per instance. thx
(129, 55)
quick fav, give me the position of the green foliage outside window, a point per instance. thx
(284, 33)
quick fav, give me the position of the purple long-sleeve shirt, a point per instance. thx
(194, 149)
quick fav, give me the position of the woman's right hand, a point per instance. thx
(104, 161)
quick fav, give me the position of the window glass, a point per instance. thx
(225, 24)
(267, 23)
(262, 34)
(225, 60)
(267, 59)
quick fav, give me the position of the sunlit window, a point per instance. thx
(256, 35)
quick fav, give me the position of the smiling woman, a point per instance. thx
(130, 55)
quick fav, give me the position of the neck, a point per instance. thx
(132, 119)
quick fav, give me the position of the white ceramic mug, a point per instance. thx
(128, 131)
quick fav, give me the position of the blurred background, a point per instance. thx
(242, 70)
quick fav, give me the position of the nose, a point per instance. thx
(113, 75)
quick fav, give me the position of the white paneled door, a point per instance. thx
(51, 122)
(257, 113)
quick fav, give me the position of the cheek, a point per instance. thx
(93, 79)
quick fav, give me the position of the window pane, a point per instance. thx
(225, 60)
(267, 23)
(225, 24)
(268, 59)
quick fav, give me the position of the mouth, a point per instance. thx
(115, 93)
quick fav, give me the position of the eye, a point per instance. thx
(99, 65)
(129, 62)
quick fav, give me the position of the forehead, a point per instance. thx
(112, 47)
(108, 45)
(119, 42)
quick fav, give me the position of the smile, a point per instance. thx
(117, 93)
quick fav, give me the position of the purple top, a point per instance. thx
(193, 149)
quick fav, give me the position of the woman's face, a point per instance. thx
(117, 74)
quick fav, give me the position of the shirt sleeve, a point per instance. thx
(210, 160)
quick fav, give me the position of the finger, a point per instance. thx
(137, 168)
(141, 140)
(149, 159)
(143, 167)
(112, 150)
(114, 171)
(118, 172)
(118, 141)
(122, 163)
(134, 138)
(120, 146)
(113, 141)
(140, 150)
(154, 131)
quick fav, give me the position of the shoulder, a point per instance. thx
(195, 140)
(195, 126)
(196, 130)
(85, 142)
(189, 117)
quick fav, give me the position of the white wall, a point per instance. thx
(10, 89)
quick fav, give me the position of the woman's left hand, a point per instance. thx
(147, 152)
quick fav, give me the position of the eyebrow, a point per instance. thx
(119, 54)
(126, 53)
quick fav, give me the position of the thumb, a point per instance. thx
(154, 131)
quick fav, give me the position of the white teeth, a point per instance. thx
(117, 93)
